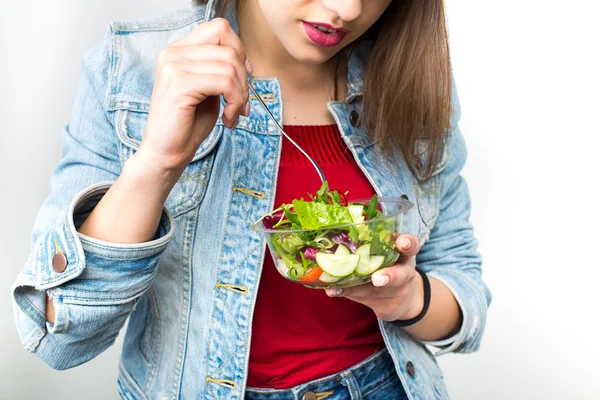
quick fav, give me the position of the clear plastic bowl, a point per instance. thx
(341, 261)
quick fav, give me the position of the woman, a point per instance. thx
(168, 160)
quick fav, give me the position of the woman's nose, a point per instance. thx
(348, 10)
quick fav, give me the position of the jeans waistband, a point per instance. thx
(362, 377)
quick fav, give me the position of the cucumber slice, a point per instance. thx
(363, 264)
(372, 264)
(391, 257)
(375, 262)
(325, 277)
(367, 263)
(342, 249)
(351, 277)
(338, 265)
(364, 250)
(357, 213)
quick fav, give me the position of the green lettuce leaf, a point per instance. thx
(313, 215)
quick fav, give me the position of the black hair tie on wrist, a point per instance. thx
(427, 300)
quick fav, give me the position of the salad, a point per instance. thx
(327, 241)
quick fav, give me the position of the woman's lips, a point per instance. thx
(321, 38)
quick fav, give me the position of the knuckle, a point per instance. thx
(166, 68)
(176, 78)
(229, 81)
(165, 56)
(170, 68)
(199, 28)
(230, 53)
(177, 83)
(229, 69)
(221, 24)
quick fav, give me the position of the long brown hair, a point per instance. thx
(407, 88)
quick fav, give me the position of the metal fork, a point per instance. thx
(312, 161)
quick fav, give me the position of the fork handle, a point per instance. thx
(312, 161)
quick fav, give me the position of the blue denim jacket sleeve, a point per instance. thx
(450, 255)
(103, 281)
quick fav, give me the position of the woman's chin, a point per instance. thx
(312, 56)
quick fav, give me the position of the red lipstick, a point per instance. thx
(324, 35)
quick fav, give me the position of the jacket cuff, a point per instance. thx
(473, 305)
(107, 273)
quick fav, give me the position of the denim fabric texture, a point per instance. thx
(189, 294)
(373, 379)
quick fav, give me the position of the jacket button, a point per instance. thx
(59, 262)
(354, 118)
(410, 367)
(309, 396)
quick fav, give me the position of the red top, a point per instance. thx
(301, 334)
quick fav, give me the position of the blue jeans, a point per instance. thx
(372, 379)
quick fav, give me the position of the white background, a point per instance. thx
(527, 74)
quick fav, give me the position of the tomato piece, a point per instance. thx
(343, 200)
(312, 275)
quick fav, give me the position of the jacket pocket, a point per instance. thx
(189, 189)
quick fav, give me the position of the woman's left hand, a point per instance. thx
(396, 292)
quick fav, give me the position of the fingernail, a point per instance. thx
(249, 68)
(406, 244)
(334, 292)
(236, 120)
(247, 108)
(381, 280)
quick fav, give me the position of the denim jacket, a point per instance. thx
(189, 293)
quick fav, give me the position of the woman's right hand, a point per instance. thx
(191, 74)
